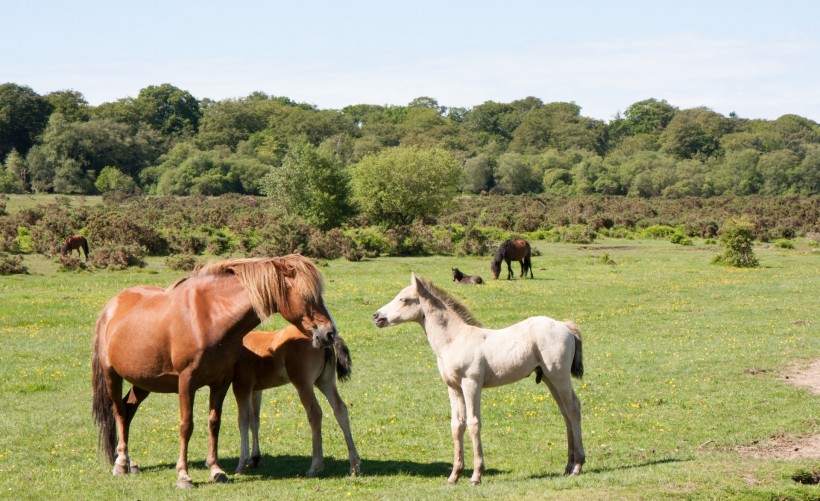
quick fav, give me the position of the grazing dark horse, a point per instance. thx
(75, 242)
(271, 359)
(179, 339)
(460, 277)
(512, 250)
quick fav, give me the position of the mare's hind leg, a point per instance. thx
(570, 408)
(114, 388)
(314, 415)
(340, 412)
(217, 397)
(133, 400)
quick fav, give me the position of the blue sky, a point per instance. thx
(760, 59)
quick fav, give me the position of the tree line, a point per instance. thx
(391, 163)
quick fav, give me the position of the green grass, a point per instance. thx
(16, 203)
(669, 340)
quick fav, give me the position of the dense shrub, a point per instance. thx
(182, 262)
(473, 243)
(330, 244)
(369, 240)
(115, 256)
(784, 243)
(12, 265)
(577, 234)
(737, 239)
(71, 262)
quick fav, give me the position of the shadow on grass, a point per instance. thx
(615, 468)
(288, 466)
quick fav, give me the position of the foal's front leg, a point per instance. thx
(472, 399)
(457, 427)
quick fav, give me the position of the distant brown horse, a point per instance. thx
(460, 277)
(189, 336)
(271, 359)
(512, 250)
(75, 242)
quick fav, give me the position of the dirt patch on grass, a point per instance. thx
(806, 376)
(784, 448)
(790, 447)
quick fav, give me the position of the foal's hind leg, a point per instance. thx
(340, 412)
(458, 423)
(314, 415)
(570, 408)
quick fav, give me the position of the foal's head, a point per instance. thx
(405, 307)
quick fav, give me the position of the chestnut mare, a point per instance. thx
(271, 359)
(75, 242)
(471, 357)
(189, 336)
(460, 277)
(512, 250)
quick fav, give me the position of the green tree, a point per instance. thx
(71, 104)
(113, 179)
(695, 133)
(515, 174)
(478, 174)
(23, 117)
(398, 185)
(16, 179)
(312, 184)
(168, 109)
(558, 125)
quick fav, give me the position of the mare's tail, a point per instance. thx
(344, 364)
(577, 367)
(85, 248)
(102, 407)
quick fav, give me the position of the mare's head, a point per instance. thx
(291, 285)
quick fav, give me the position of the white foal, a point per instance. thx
(471, 357)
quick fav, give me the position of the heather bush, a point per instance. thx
(577, 234)
(182, 262)
(12, 265)
(473, 243)
(115, 256)
(71, 262)
(329, 244)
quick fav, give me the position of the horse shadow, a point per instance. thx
(592, 471)
(294, 466)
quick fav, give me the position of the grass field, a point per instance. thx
(685, 365)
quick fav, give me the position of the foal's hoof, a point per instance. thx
(219, 477)
(185, 483)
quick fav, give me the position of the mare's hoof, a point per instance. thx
(219, 477)
(185, 483)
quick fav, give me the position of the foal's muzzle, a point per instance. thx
(323, 337)
(379, 320)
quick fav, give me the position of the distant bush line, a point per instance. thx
(122, 230)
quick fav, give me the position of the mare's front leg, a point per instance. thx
(510, 273)
(314, 415)
(457, 427)
(472, 399)
(186, 429)
(340, 412)
(217, 397)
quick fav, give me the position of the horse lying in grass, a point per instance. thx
(471, 358)
(460, 277)
(271, 359)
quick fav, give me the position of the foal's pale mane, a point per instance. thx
(451, 302)
(265, 279)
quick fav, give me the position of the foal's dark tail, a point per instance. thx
(344, 364)
(577, 367)
(102, 407)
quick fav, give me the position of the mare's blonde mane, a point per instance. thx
(264, 279)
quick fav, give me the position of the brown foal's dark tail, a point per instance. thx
(577, 368)
(102, 407)
(344, 364)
